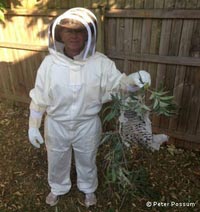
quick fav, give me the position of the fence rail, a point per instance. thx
(173, 60)
(24, 46)
(153, 13)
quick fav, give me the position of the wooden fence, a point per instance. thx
(161, 36)
(165, 40)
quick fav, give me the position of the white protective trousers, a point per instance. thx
(72, 94)
(83, 138)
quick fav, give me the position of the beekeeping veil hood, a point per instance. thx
(75, 15)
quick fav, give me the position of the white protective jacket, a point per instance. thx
(74, 90)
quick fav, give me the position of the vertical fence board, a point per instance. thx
(139, 4)
(146, 32)
(166, 71)
(128, 30)
(111, 3)
(129, 4)
(64, 4)
(137, 29)
(198, 127)
(163, 50)
(18, 72)
(194, 106)
(180, 4)
(134, 66)
(169, 4)
(158, 4)
(138, 25)
(87, 4)
(111, 36)
(79, 3)
(156, 39)
(171, 70)
(154, 47)
(180, 70)
(5, 80)
(72, 3)
(184, 49)
(120, 35)
(186, 90)
(120, 3)
(191, 4)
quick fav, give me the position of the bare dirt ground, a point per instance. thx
(171, 183)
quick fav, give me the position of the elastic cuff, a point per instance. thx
(35, 114)
(35, 107)
(125, 82)
(35, 122)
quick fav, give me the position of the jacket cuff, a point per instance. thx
(35, 122)
(126, 82)
(35, 107)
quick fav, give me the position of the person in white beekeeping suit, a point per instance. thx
(72, 83)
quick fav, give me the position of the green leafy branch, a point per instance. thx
(118, 173)
(2, 9)
(159, 102)
(163, 104)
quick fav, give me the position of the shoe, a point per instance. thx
(90, 199)
(52, 199)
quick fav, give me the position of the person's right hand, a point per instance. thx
(35, 137)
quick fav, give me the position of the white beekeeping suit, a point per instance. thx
(71, 91)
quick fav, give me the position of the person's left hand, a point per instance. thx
(140, 78)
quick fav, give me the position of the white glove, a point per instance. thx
(140, 78)
(35, 137)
